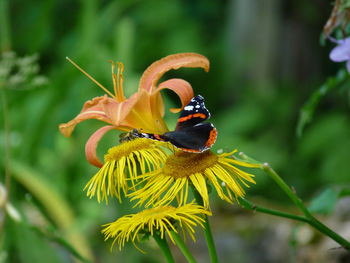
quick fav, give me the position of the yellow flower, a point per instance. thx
(162, 220)
(144, 109)
(121, 166)
(182, 169)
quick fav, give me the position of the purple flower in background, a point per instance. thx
(341, 52)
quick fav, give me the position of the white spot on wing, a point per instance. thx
(189, 107)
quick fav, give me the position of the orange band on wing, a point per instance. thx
(212, 138)
(186, 118)
(190, 150)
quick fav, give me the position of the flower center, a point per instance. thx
(183, 164)
(127, 148)
(158, 211)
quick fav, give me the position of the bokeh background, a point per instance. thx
(267, 60)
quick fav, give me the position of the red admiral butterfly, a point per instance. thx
(190, 135)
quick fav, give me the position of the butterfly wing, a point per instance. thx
(193, 113)
(190, 135)
(197, 138)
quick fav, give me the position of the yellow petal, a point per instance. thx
(156, 70)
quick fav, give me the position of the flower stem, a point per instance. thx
(250, 206)
(184, 249)
(210, 241)
(207, 230)
(311, 220)
(288, 191)
(163, 244)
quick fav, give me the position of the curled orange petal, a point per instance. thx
(181, 87)
(101, 108)
(92, 109)
(92, 143)
(156, 70)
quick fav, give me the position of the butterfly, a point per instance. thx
(190, 134)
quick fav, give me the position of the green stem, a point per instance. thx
(289, 192)
(311, 221)
(163, 244)
(207, 230)
(250, 206)
(182, 246)
(298, 202)
(210, 241)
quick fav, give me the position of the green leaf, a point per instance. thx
(325, 202)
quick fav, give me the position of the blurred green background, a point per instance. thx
(266, 61)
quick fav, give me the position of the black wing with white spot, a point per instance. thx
(193, 113)
(190, 135)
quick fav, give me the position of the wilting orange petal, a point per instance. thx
(181, 87)
(156, 70)
(92, 143)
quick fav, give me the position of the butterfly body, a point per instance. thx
(190, 134)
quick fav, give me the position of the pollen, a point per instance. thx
(183, 164)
